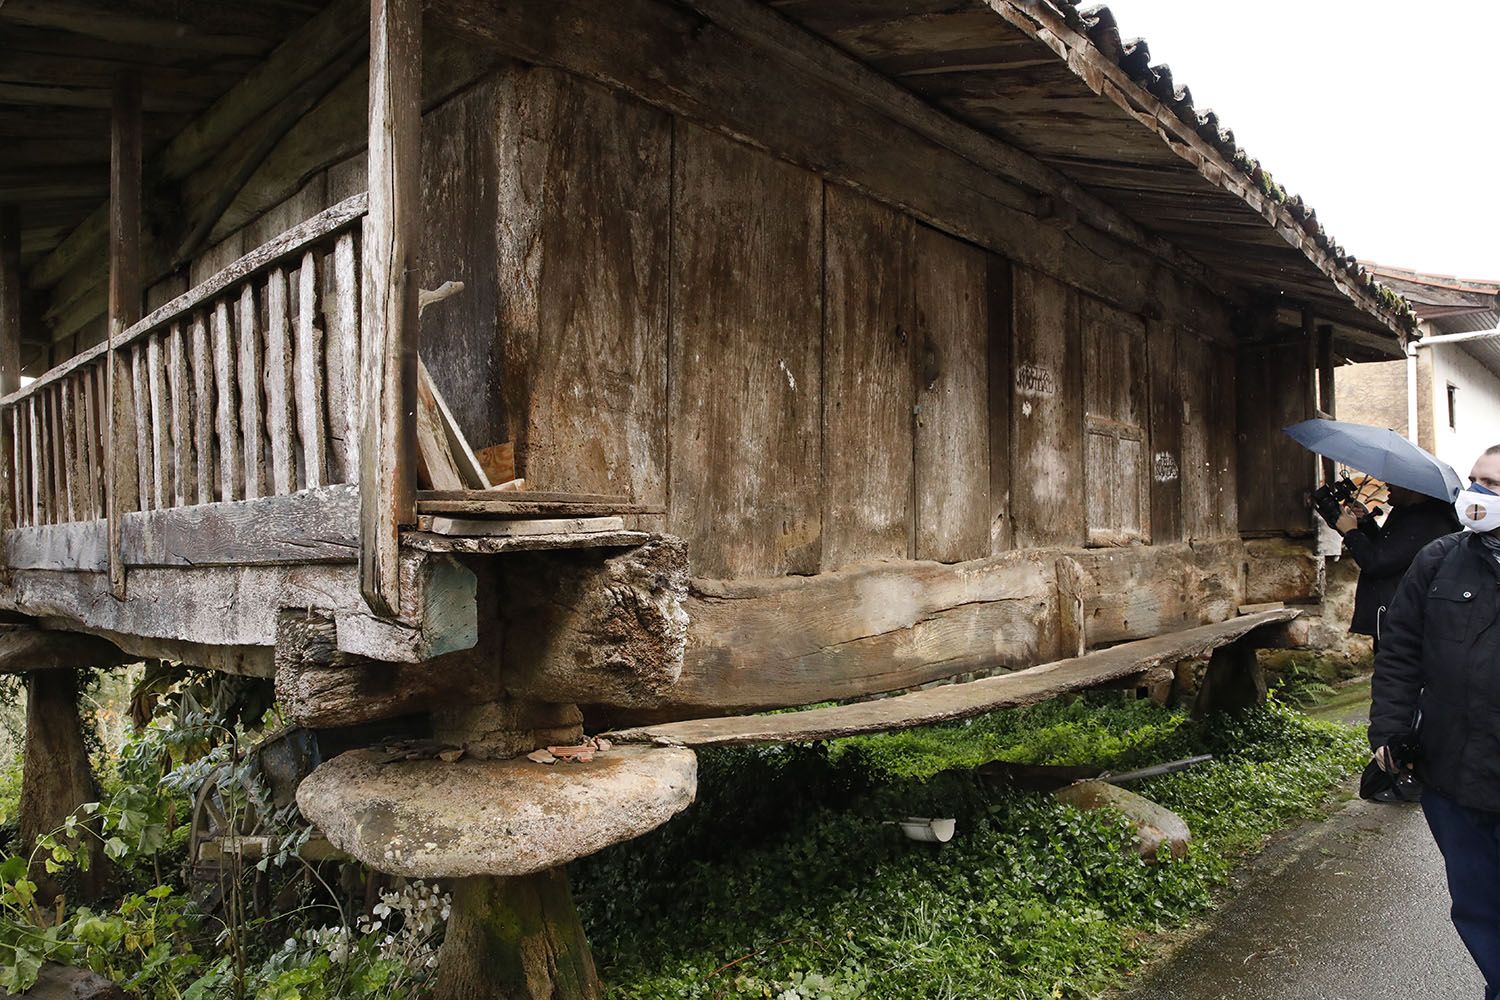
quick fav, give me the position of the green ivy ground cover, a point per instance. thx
(783, 881)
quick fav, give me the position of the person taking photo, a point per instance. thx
(1384, 551)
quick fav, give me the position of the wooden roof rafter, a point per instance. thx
(1063, 86)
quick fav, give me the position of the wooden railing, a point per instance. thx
(245, 386)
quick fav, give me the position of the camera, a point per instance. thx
(1329, 499)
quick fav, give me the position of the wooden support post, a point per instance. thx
(124, 308)
(1233, 681)
(1327, 404)
(516, 939)
(10, 353)
(387, 473)
(56, 776)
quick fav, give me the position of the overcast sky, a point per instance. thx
(1383, 114)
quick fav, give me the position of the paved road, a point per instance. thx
(1351, 909)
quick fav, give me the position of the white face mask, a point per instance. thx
(1478, 509)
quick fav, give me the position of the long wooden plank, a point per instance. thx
(36, 463)
(743, 356)
(1047, 443)
(252, 427)
(529, 505)
(951, 436)
(867, 381)
(313, 526)
(231, 468)
(389, 330)
(163, 491)
(182, 417)
(67, 430)
(206, 470)
(586, 223)
(437, 465)
(1001, 344)
(141, 412)
(279, 420)
(62, 472)
(341, 307)
(957, 701)
(311, 429)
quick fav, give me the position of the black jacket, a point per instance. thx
(1384, 551)
(1440, 654)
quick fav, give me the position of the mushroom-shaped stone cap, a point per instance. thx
(431, 819)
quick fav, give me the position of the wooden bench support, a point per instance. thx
(958, 701)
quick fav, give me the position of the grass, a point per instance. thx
(783, 881)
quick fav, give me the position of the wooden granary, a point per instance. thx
(843, 346)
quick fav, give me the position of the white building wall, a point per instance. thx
(1477, 426)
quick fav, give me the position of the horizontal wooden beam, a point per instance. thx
(756, 644)
(957, 701)
(238, 29)
(237, 606)
(24, 648)
(45, 96)
(312, 526)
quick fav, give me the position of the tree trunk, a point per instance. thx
(56, 775)
(516, 939)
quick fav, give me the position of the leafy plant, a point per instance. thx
(783, 880)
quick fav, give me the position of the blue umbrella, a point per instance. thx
(1378, 452)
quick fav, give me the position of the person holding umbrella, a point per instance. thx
(1435, 709)
(1421, 488)
(1384, 551)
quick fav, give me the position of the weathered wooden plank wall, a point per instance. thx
(1048, 505)
(1276, 388)
(584, 179)
(868, 470)
(745, 383)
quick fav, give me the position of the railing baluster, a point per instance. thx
(182, 417)
(59, 459)
(250, 392)
(141, 408)
(34, 465)
(231, 471)
(203, 410)
(310, 422)
(279, 385)
(72, 494)
(343, 360)
(161, 426)
(100, 414)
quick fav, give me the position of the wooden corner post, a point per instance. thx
(124, 308)
(387, 473)
(10, 352)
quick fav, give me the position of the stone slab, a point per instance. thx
(431, 819)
